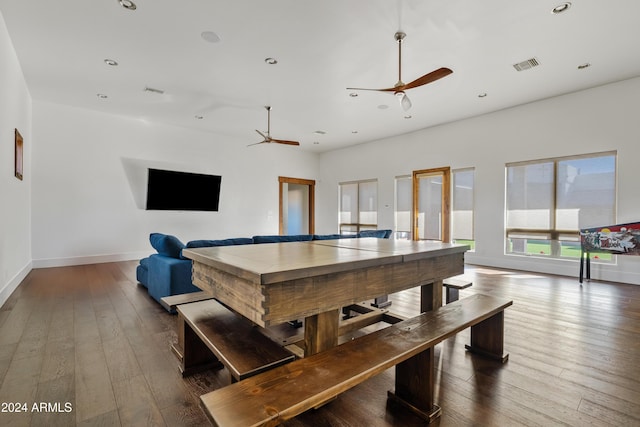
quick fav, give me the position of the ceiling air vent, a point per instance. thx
(525, 65)
(152, 90)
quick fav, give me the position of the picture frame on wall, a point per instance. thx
(19, 155)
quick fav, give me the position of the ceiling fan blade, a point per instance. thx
(390, 89)
(267, 137)
(427, 78)
(420, 81)
(283, 141)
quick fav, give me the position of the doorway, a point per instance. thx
(431, 204)
(297, 198)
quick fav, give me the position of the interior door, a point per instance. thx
(431, 204)
(296, 206)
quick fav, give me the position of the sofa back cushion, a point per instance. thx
(278, 238)
(222, 242)
(381, 234)
(166, 244)
(333, 236)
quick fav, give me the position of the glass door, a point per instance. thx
(431, 204)
(296, 206)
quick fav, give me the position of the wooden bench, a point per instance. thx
(452, 287)
(171, 302)
(284, 392)
(212, 336)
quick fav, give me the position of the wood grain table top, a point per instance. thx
(274, 262)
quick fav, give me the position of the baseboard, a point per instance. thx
(11, 286)
(599, 271)
(92, 259)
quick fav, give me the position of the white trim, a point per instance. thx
(570, 268)
(83, 260)
(12, 285)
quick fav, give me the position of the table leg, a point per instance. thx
(321, 332)
(415, 385)
(430, 296)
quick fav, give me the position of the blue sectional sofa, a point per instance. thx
(167, 272)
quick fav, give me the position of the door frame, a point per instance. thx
(445, 172)
(312, 190)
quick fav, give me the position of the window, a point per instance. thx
(548, 201)
(403, 207)
(358, 206)
(462, 207)
(461, 212)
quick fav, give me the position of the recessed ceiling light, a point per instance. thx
(198, 117)
(271, 61)
(316, 143)
(561, 8)
(210, 36)
(583, 66)
(383, 106)
(102, 96)
(128, 4)
(354, 131)
(111, 62)
(407, 117)
(353, 94)
(482, 95)
(319, 132)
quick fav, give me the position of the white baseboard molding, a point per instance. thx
(11, 286)
(91, 259)
(570, 268)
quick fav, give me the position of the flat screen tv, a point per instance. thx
(182, 191)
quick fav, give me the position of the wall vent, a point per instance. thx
(152, 90)
(525, 65)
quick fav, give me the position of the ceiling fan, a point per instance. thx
(267, 137)
(399, 88)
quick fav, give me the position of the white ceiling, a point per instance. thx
(322, 47)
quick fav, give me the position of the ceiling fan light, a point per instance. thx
(405, 102)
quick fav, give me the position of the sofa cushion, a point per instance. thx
(169, 276)
(278, 238)
(222, 242)
(166, 244)
(333, 236)
(381, 234)
(142, 272)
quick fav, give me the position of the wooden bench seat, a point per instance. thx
(284, 392)
(210, 335)
(452, 287)
(171, 302)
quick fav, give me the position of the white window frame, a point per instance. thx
(354, 227)
(555, 235)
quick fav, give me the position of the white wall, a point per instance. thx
(82, 184)
(15, 195)
(600, 119)
(89, 174)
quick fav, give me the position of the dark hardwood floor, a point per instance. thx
(93, 347)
